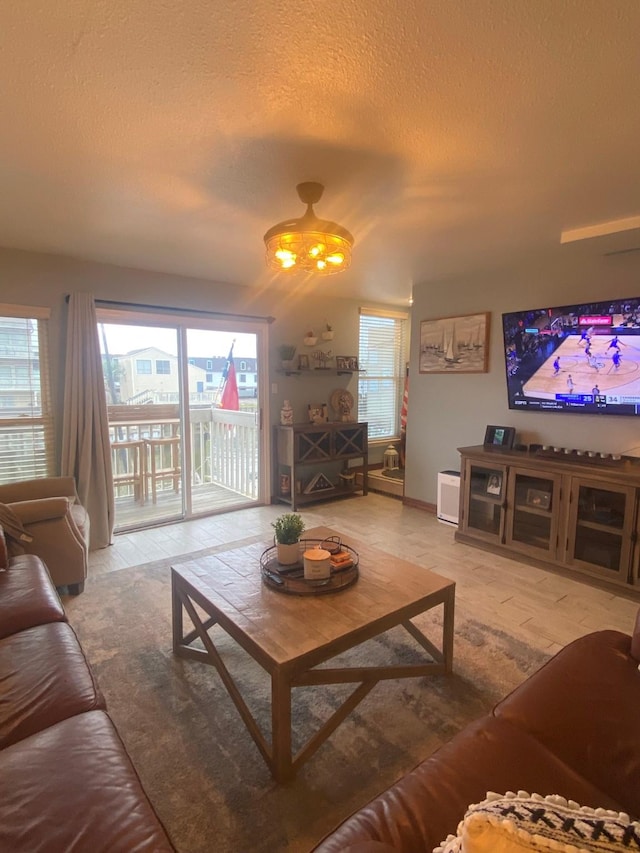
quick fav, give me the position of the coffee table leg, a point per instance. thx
(176, 613)
(281, 726)
(447, 629)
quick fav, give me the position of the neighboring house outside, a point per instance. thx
(151, 375)
(246, 372)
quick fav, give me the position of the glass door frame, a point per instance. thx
(182, 323)
(483, 510)
(541, 501)
(579, 522)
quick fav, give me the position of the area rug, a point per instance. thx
(198, 764)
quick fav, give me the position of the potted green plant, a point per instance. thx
(288, 528)
(287, 353)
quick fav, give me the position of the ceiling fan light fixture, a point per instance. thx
(309, 244)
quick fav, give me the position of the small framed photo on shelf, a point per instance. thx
(318, 413)
(303, 362)
(346, 362)
(494, 485)
(538, 498)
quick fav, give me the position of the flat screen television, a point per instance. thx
(575, 358)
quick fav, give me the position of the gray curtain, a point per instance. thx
(86, 450)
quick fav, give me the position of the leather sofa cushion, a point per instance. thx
(4, 554)
(426, 805)
(635, 639)
(100, 807)
(27, 596)
(45, 679)
(584, 705)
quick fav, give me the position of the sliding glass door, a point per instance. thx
(183, 405)
(223, 447)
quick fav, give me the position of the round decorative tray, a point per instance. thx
(290, 579)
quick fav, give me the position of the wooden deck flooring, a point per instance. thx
(206, 499)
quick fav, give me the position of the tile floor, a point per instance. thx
(542, 608)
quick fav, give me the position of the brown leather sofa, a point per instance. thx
(51, 513)
(66, 781)
(573, 729)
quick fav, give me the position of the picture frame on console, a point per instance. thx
(499, 436)
(455, 344)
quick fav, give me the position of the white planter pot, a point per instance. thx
(327, 336)
(310, 342)
(288, 554)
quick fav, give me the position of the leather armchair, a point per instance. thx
(51, 513)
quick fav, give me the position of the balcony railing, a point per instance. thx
(224, 449)
(147, 453)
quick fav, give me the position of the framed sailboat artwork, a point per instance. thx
(455, 344)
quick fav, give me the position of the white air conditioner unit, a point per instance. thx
(448, 496)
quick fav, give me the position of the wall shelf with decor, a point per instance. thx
(558, 510)
(311, 462)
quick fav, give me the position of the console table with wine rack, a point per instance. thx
(311, 462)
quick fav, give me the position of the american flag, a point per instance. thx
(405, 405)
(229, 399)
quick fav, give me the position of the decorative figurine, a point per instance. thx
(342, 403)
(322, 358)
(286, 414)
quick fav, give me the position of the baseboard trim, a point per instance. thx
(417, 504)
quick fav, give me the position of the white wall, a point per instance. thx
(447, 411)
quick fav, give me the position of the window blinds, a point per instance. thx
(26, 418)
(382, 357)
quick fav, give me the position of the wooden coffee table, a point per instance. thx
(290, 635)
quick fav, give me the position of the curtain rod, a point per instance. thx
(170, 309)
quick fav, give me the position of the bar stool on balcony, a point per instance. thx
(128, 461)
(163, 463)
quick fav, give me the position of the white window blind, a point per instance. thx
(26, 418)
(382, 357)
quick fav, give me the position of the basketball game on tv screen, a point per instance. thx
(576, 358)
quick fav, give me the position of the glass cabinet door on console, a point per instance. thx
(484, 500)
(601, 528)
(532, 514)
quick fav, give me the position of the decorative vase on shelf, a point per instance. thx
(327, 335)
(286, 414)
(287, 353)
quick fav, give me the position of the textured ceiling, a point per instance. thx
(450, 135)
